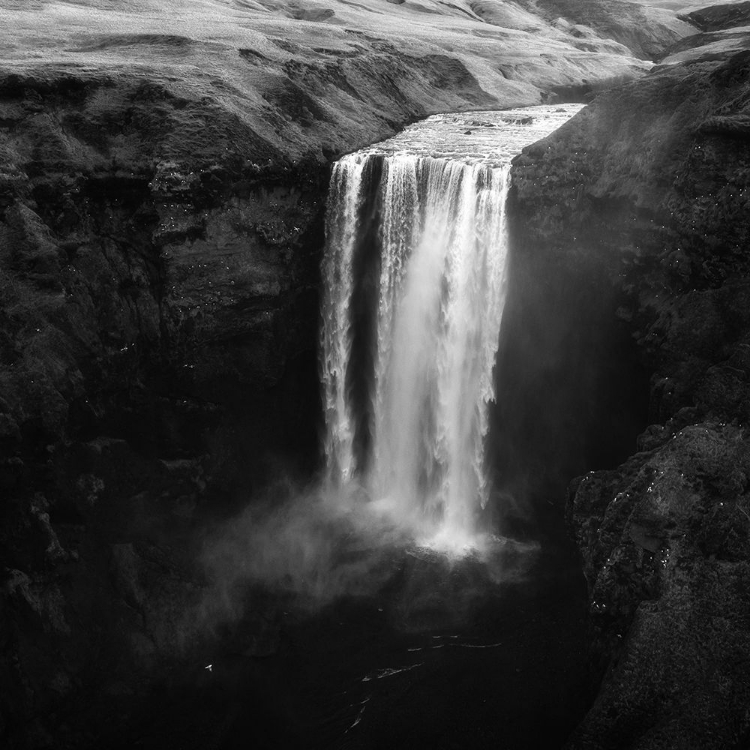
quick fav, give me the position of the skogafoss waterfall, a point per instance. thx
(434, 329)
(414, 279)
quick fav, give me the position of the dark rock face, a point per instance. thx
(645, 193)
(159, 314)
(125, 269)
(666, 552)
(646, 186)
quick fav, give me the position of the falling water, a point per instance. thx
(415, 277)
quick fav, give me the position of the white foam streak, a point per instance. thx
(342, 225)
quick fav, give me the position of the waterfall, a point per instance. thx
(414, 277)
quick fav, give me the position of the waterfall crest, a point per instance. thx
(414, 278)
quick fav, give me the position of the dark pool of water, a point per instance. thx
(444, 656)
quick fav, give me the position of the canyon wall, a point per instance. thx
(645, 195)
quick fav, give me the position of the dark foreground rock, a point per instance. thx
(645, 193)
(666, 551)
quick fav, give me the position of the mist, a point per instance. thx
(310, 547)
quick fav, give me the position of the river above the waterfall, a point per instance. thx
(484, 137)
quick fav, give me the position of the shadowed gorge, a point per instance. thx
(437, 442)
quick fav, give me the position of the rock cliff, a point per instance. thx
(645, 193)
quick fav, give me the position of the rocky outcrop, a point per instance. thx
(645, 193)
(666, 552)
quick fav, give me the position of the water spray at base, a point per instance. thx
(414, 280)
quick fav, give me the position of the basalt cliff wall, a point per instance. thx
(644, 196)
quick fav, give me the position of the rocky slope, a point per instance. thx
(646, 31)
(720, 17)
(646, 193)
(724, 28)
